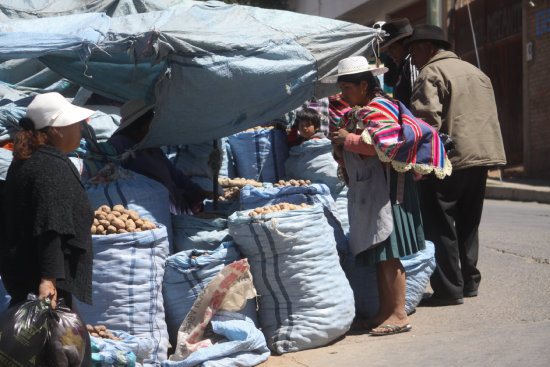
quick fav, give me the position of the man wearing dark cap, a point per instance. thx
(457, 99)
(398, 32)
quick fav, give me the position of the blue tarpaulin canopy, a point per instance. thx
(212, 69)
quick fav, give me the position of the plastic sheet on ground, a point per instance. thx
(242, 344)
(129, 352)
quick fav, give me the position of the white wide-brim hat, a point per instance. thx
(131, 111)
(52, 109)
(353, 65)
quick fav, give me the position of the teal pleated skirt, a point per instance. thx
(407, 237)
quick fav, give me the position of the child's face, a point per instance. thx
(306, 128)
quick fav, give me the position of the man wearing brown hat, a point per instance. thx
(457, 99)
(399, 31)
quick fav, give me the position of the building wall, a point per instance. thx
(537, 139)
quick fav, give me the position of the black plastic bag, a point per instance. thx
(66, 342)
(23, 332)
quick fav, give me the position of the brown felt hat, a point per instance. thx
(397, 30)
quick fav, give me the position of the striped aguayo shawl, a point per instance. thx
(337, 108)
(400, 138)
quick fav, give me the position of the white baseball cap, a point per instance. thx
(52, 109)
(353, 65)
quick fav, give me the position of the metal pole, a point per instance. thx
(433, 13)
(473, 35)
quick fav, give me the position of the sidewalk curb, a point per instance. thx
(516, 194)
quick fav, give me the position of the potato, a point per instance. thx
(119, 208)
(94, 229)
(111, 229)
(104, 208)
(96, 222)
(122, 231)
(139, 223)
(95, 335)
(132, 214)
(104, 232)
(124, 217)
(99, 229)
(116, 214)
(118, 223)
(105, 223)
(130, 225)
(101, 215)
(110, 217)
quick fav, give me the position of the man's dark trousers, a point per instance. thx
(451, 211)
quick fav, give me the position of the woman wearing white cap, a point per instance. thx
(383, 225)
(47, 249)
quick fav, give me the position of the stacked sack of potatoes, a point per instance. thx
(277, 208)
(295, 183)
(119, 220)
(232, 186)
(100, 331)
(256, 128)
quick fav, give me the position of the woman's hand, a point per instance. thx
(47, 289)
(340, 136)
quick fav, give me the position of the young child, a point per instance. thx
(307, 124)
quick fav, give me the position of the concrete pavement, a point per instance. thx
(506, 325)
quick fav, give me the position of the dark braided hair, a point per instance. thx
(28, 140)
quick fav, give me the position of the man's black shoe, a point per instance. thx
(440, 301)
(472, 293)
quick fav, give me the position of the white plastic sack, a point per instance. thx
(312, 160)
(149, 198)
(260, 155)
(342, 208)
(191, 232)
(253, 197)
(6, 156)
(127, 286)
(418, 268)
(305, 298)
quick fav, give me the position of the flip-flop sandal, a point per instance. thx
(391, 329)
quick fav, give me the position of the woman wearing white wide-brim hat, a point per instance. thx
(383, 225)
(47, 244)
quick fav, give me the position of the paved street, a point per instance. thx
(508, 324)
